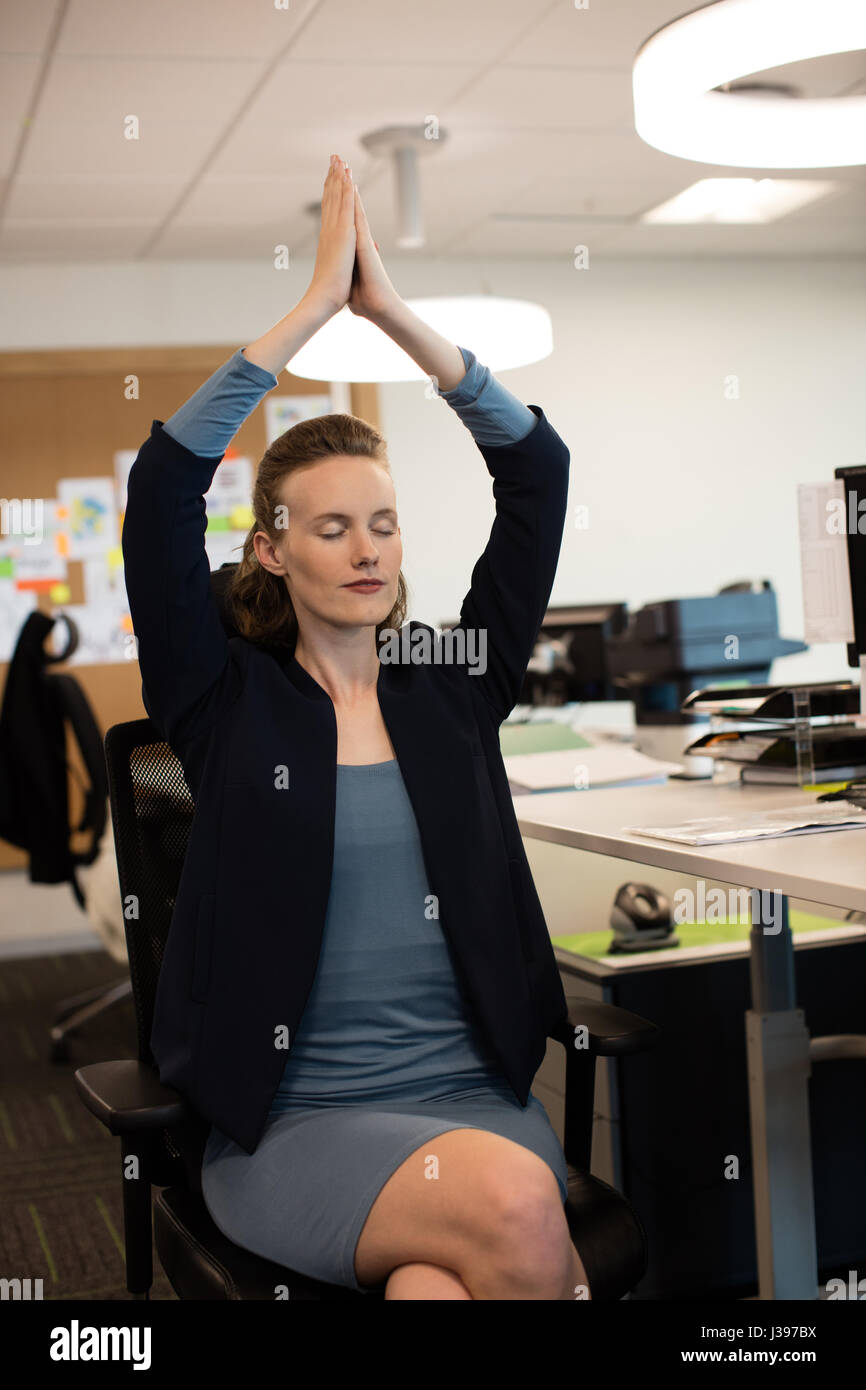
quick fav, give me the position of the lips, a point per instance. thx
(365, 585)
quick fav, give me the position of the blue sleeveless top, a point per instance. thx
(386, 1019)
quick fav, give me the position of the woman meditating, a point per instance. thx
(385, 1146)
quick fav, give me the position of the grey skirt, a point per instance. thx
(301, 1199)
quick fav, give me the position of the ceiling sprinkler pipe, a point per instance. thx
(411, 229)
(405, 145)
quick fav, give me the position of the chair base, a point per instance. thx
(72, 1013)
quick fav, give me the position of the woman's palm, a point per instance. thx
(335, 255)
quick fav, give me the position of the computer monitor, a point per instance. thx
(854, 479)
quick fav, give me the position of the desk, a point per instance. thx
(827, 868)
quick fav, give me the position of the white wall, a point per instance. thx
(687, 488)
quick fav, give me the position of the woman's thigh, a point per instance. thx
(448, 1203)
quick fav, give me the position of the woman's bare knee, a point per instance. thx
(447, 1204)
(530, 1254)
(429, 1210)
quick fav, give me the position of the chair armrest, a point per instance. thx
(127, 1096)
(611, 1031)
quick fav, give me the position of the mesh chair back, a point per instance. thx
(152, 811)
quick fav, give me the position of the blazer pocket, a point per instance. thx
(519, 901)
(203, 947)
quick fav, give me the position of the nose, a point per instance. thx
(367, 553)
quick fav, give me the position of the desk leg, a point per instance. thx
(777, 1048)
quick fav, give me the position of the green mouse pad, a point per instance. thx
(596, 944)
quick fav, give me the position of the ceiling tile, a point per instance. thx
(221, 240)
(201, 29)
(94, 199)
(241, 104)
(158, 90)
(26, 28)
(78, 241)
(491, 238)
(600, 36)
(521, 98)
(397, 31)
(17, 79)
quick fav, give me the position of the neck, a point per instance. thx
(349, 675)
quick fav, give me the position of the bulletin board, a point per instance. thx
(72, 427)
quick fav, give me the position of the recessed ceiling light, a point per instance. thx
(738, 200)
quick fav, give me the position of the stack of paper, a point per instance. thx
(581, 769)
(759, 825)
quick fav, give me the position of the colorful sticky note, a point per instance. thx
(59, 593)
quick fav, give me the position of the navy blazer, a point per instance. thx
(247, 924)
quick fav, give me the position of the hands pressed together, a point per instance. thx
(349, 271)
(348, 267)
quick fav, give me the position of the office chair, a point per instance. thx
(152, 811)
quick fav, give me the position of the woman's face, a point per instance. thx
(338, 525)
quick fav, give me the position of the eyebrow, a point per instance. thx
(341, 516)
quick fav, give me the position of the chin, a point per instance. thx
(374, 607)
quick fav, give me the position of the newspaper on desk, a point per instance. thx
(759, 825)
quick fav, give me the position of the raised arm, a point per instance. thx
(183, 652)
(528, 461)
(512, 579)
(188, 677)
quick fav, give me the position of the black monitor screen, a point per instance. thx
(854, 479)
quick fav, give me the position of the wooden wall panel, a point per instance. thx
(65, 414)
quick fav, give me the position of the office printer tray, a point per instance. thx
(835, 745)
(776, 701)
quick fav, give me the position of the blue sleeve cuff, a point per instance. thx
(487, 408)
(208, 422)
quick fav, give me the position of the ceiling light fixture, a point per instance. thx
(502, 333)
(678, 71)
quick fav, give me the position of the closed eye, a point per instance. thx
(335, 535)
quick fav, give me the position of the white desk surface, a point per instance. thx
(828, 867)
